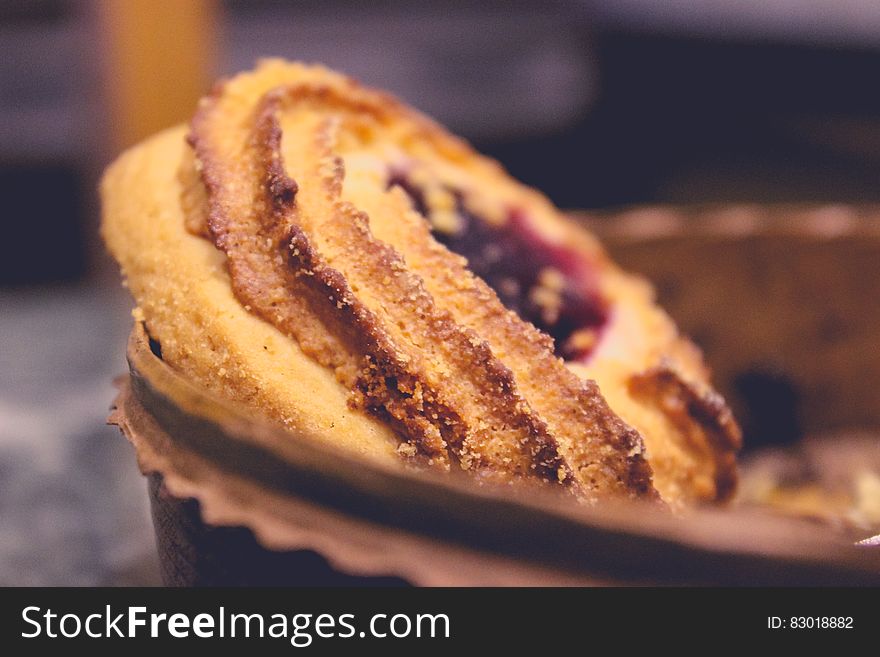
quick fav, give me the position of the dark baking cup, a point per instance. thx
(532, 532)
(192, 553)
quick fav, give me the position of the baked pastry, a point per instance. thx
(338, 263)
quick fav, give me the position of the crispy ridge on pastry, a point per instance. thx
(416, 355)
(342, 213)
(182, 289)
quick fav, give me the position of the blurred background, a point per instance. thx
(601, 103)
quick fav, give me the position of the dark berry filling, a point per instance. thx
(549, 285)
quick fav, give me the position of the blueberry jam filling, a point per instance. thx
(549, 285)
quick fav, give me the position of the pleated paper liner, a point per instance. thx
(239, 501)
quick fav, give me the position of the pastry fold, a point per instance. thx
(449, 315)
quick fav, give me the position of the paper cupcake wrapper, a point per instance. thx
(238, 501)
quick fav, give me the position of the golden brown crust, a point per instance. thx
(700, 414)
(433, 375)
(293, 180)
(487, 426)
(600, 449)
(181, 285)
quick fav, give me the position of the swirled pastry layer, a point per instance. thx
(463, 320)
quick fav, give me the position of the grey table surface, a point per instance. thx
(73, 505)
